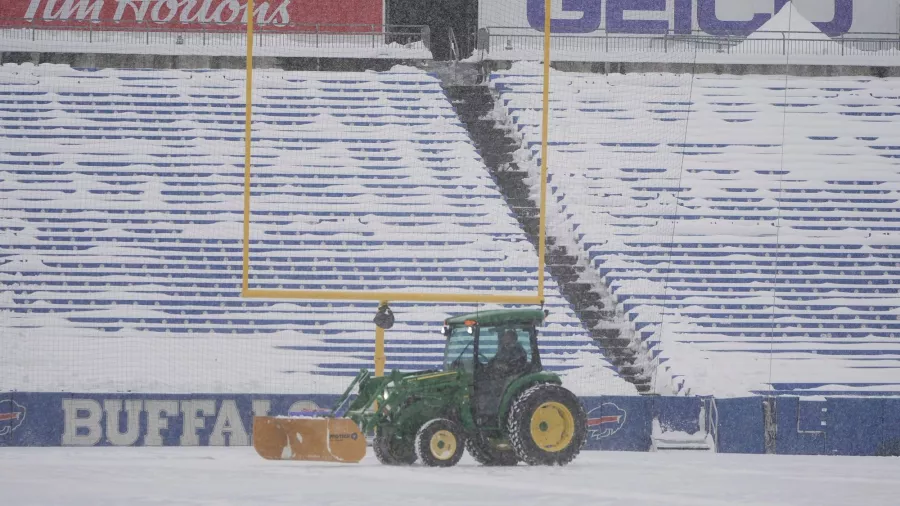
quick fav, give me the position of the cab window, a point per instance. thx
(488, 343)
(460, 349)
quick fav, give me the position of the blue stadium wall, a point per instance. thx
(796, 426)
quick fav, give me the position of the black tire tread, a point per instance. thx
(423, 440)
(519, 420)
(480, 450)
(388, 456)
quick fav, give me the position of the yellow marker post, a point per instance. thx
(379, 348)
(248, 131)
(542, 220)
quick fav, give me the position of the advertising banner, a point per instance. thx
(712, 17)
(49, 419)
(835, 426)
(218, 15)
(57, 419)
(619, 423)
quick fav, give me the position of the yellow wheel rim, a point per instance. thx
(552, 426)
(443, 445)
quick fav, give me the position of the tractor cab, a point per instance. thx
(494, 348)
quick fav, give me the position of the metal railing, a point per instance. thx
(500, 39)
(454, 46)
(307, 35)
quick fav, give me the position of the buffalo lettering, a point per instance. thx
(151, 422)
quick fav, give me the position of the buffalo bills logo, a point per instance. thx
(605, 420)
(12, 414)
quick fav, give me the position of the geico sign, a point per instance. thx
(87, 422)
(624, 16)
(158, 11)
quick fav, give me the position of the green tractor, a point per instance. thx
(492, 398)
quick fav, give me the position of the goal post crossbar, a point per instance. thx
(248, 292)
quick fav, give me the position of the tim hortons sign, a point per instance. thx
(180, 14)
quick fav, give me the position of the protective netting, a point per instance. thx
(738, 229)
(124, 222)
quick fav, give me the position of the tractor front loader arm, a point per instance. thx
(360, 378)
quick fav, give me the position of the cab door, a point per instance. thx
(491, 378)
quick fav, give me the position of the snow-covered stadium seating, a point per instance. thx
(746, 226)
(120, 258)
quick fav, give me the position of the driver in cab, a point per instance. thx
(511, 358)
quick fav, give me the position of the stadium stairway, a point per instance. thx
(474, 104)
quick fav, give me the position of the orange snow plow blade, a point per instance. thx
(320, 439)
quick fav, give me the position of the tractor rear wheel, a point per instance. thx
(440, 443)
(487, 454)
(547, 425)
(393, 451)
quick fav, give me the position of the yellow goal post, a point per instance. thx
(384, 297)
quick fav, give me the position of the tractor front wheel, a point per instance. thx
(547, 425)
(440, 443)
(393, 451)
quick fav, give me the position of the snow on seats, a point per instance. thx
(746, 227)
(120, 264)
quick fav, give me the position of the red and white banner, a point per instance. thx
(219, 15)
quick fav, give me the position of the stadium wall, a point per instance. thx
(780, 425)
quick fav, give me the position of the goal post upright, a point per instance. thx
(545, 127)
(248, 132)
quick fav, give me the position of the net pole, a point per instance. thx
(542, 220)
(247, 142)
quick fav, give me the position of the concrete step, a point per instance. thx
(565, 274)
(497, 158)
(557, 257)
(620, 356)
(593, 315)
(518, 193)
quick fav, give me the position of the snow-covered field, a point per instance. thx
(746, 226)
(122, 217)
(225, 476)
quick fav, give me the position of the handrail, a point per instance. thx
(775, 42)
(115, 26)
(289, 36)
(454, 47)
(671, 32)
(84, 22)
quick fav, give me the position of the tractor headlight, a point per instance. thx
(387, 390)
